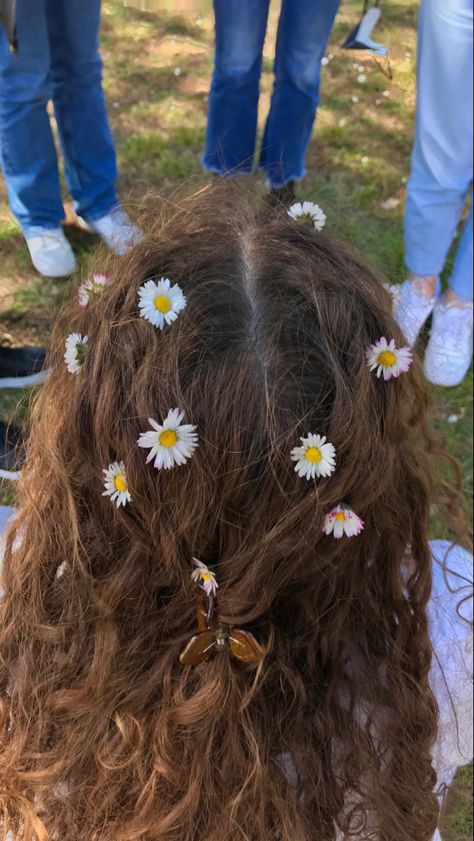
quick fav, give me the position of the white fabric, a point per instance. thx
(451, 675)
(450, 621)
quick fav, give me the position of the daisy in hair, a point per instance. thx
(385, 358)
(92, 286)
(205, 577)
(315, 457)
(159, 303)
(116, 486)
(308, 210)
(171, 442)
(342, 521)
(75, 352)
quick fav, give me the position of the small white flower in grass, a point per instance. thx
(116, 485)
(388, 360)
(205, 577)
(308, 210)
(92, 286)
(160, 303)
(315, 457)
(342, 521)
(171, 442)
(75, 353)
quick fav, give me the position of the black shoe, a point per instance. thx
(21, 366)
(10, 441)
(285, 196)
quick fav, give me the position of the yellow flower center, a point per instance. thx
(168, 438)
(206, 576)
(120, 483)
(162, 303)
(387, 358)
(340, 516)
(313, 455)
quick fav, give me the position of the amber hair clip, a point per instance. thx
(212, 635)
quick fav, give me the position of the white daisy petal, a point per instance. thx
(387, 360)
(116, 486)
(308, 210)
(92, 286)
(170, 443)
(160, 303)
(75, 351)
(342, 521)
(316, 457)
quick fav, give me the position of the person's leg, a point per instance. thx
(461, 280)
(233, 101)
(27, 152)
(442, 154)
(442, 162)
(449, 351)
(303, 32)
(79, 105)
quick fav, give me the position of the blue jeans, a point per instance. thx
(442, 162)
(303, 31)
(58, 59)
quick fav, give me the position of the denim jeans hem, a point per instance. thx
(29, 229)
(241, 169)
(277, 185)
(98, 214)
(422, 269)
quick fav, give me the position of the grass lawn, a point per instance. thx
(157, 68)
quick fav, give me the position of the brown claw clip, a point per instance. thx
(213, 636)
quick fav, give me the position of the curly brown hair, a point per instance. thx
(103, 733)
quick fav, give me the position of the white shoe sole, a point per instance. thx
(24, 382)
(9, 475)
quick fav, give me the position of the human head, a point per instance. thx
(112, 737)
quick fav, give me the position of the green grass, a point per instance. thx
(157, 68)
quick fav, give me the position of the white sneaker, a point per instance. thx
(412, 310)
(449, 352)
(116, 229)
(50, 252)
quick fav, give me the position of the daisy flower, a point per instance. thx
(171, 442)
(160, 302)
(342, 521)
(205, 577)
(387, 359)
(116, 485)
(310, 211)
(92, 286)
(315, 457)
(75, 353)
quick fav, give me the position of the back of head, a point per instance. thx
(112, 737)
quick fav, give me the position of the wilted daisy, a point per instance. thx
(308, 210)
(92, 286)
(171, 442)
(315, 457)
(342, 521)
(75, 353)
(387, 359)
(160, 302)
(205, 577)
(116, 485)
